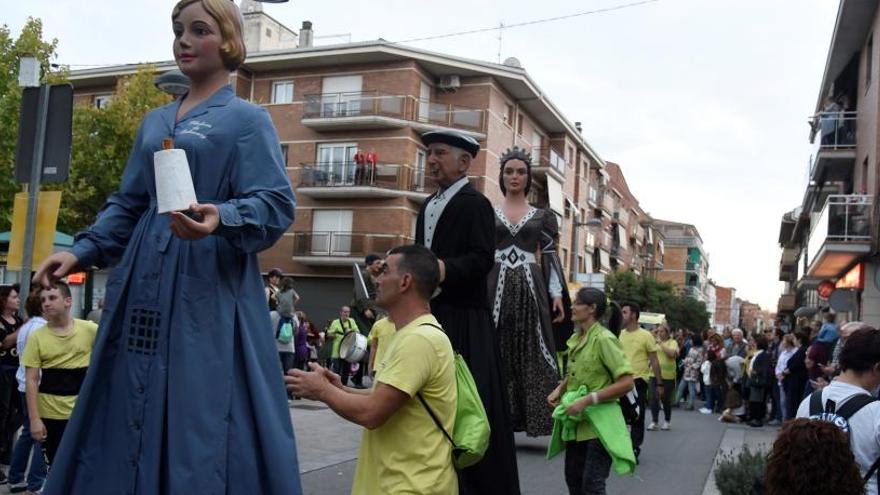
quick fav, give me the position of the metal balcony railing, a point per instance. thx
(844, 218)
(350, 174)
(404, 107)
(832, 131)
(345, 244)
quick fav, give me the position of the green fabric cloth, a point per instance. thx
(595, 359)
(608, 423)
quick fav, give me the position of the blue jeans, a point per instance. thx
(25, 446)
(690, 388)
(711, 396)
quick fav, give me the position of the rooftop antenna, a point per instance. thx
(500, 39)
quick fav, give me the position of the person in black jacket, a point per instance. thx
(795, 379)
(458, 224)
(759, 382)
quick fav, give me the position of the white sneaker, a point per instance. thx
(652, 426)
(664, 425)
(705, 410)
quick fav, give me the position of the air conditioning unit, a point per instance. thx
(449, 83)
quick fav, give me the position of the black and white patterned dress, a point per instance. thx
(521, 311)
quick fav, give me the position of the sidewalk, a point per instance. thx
(736, 436)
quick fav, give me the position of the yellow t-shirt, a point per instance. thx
(667, 364)
(45, 350)
(637, 345)
(409, 454)
(379, 337)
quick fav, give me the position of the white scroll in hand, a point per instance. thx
(174, 185)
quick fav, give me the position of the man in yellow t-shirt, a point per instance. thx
(379, 337)
(641, 349)
(402, 449)
(55, 358)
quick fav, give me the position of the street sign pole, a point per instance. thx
(34, 191)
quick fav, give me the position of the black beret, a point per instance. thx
(452, 138)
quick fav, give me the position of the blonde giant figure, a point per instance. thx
(183, 393)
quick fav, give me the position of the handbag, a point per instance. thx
(470, 435)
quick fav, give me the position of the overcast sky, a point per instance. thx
(704, 104)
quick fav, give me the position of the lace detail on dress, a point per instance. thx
(514, 229)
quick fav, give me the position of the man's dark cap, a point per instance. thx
(275, 272)
(371, 258)
(452, 138)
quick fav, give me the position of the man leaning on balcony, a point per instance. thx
(457, 223)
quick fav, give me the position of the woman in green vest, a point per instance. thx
(598, 374)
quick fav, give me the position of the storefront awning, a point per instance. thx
(604, 260)
(554, 195)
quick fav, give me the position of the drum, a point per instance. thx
(353, 347)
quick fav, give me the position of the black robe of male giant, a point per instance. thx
(465, 240)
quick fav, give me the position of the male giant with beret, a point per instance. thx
(458, 224)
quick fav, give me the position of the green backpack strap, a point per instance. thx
(425, 403)
(436, 421)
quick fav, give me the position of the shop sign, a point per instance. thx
(854, 279)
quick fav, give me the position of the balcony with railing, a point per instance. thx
(351, 180)
(377, 110)
(840, 234)
(693, 292)
(787, 302)
(547, 161)
(327, 248)
(787, 264)
(833, 137)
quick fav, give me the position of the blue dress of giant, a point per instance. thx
(184, 393)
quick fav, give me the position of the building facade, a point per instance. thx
(726, 308)
(349, 118)
(833, 235)
(686, 264)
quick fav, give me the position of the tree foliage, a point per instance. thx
(102, 141)
(102, 138)
(29, 42)
(657, 297)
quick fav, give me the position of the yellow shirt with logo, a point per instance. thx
(46, 350)
(379, 336)
(637, 344)
(409, 453)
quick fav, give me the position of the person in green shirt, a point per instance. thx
(598, 362)
(337, 330)
(668, 348)
(641, 349)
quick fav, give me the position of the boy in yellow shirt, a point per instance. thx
(55, 359)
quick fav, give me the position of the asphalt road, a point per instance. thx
(676, 461)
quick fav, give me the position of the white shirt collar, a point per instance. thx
(450, 191)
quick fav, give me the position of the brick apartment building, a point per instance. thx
(752, 317)
(833, 234)
(686, 263)
(726, 308)
(330, 102)
(635, 241)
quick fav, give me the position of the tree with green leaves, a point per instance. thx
(102, 141)
(29, 42)
(657, 297)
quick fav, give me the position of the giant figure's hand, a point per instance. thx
(55, 267)
(204, 221)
